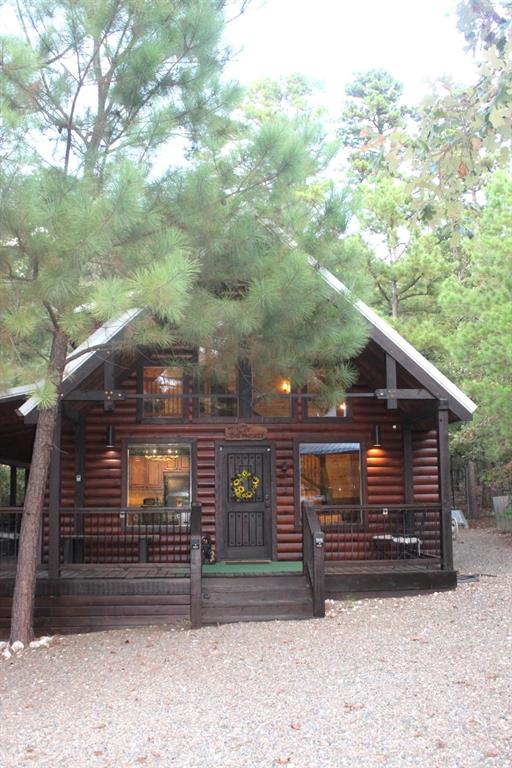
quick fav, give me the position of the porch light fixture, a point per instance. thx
(286, 386)
(376, 443)
(110, 437)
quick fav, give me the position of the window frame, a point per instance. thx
(198, 395)
(275, 419)
(185, 399)
(126, 443)
(325, 419)
(321, 438)
(192, 395)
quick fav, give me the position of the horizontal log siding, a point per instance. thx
(384, 466)
(426, 483)
(425, 467)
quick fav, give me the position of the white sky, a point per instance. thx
(328, 40)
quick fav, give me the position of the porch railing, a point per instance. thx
(122, 535)
(313, 537)
(371, 532)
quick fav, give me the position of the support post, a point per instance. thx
(79, 498)
(195, 566)
(12, 487)
(54, 502)
(108, 384)
(444, 487)
(391, 403)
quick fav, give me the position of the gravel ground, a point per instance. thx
(417, 681)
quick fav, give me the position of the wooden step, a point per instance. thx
(262, 598)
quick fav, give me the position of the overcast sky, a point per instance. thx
(328, 40)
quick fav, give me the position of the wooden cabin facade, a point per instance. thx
(172, 496)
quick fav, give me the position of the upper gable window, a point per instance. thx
(271, 396)
(165, 386)
(314, 408)
(218, 387)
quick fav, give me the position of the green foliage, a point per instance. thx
(96, 89)
(265, 212)
(218, 252)
(482, 309)
(111, 77)
(484, 23)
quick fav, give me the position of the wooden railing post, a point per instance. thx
(314, 558)
(195, 566)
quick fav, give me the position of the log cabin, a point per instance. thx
(175, 497)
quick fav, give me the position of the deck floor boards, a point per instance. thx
(382, 566)
(172, 571)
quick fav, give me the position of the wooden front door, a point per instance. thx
(244, 502)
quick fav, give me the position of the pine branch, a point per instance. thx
(411, 283)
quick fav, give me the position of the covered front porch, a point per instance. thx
(105, 568)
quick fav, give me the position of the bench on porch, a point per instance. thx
(404, 538)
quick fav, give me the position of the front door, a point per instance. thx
(244, 498)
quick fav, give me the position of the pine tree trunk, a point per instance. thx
(24, 588)
(472, 508)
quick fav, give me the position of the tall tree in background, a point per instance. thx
(480, 309)
(373, 122)
(407, 263)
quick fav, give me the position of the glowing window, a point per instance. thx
(271, 396)
(330, 473)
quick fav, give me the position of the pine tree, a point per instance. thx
(90, 92)
(373, 123)
(219, 249)
(480, 308)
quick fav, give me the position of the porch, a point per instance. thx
(115, 567)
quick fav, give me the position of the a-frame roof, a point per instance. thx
(430, 377)
(408, 356)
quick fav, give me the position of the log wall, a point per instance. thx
(384, 466)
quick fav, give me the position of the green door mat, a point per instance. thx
(252, 568)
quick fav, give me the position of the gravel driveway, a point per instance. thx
(417, 681)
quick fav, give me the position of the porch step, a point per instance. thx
(260, 598)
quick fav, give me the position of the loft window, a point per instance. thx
(218, 390)
(271, 396)
(159, 476)
(164, 385)
(314, 408)
(330, 473)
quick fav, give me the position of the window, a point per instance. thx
(168, 382)
(330, 473)
(159, 475)
(218, 390)
(12, 493)
(314, 408)
(271, 396)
